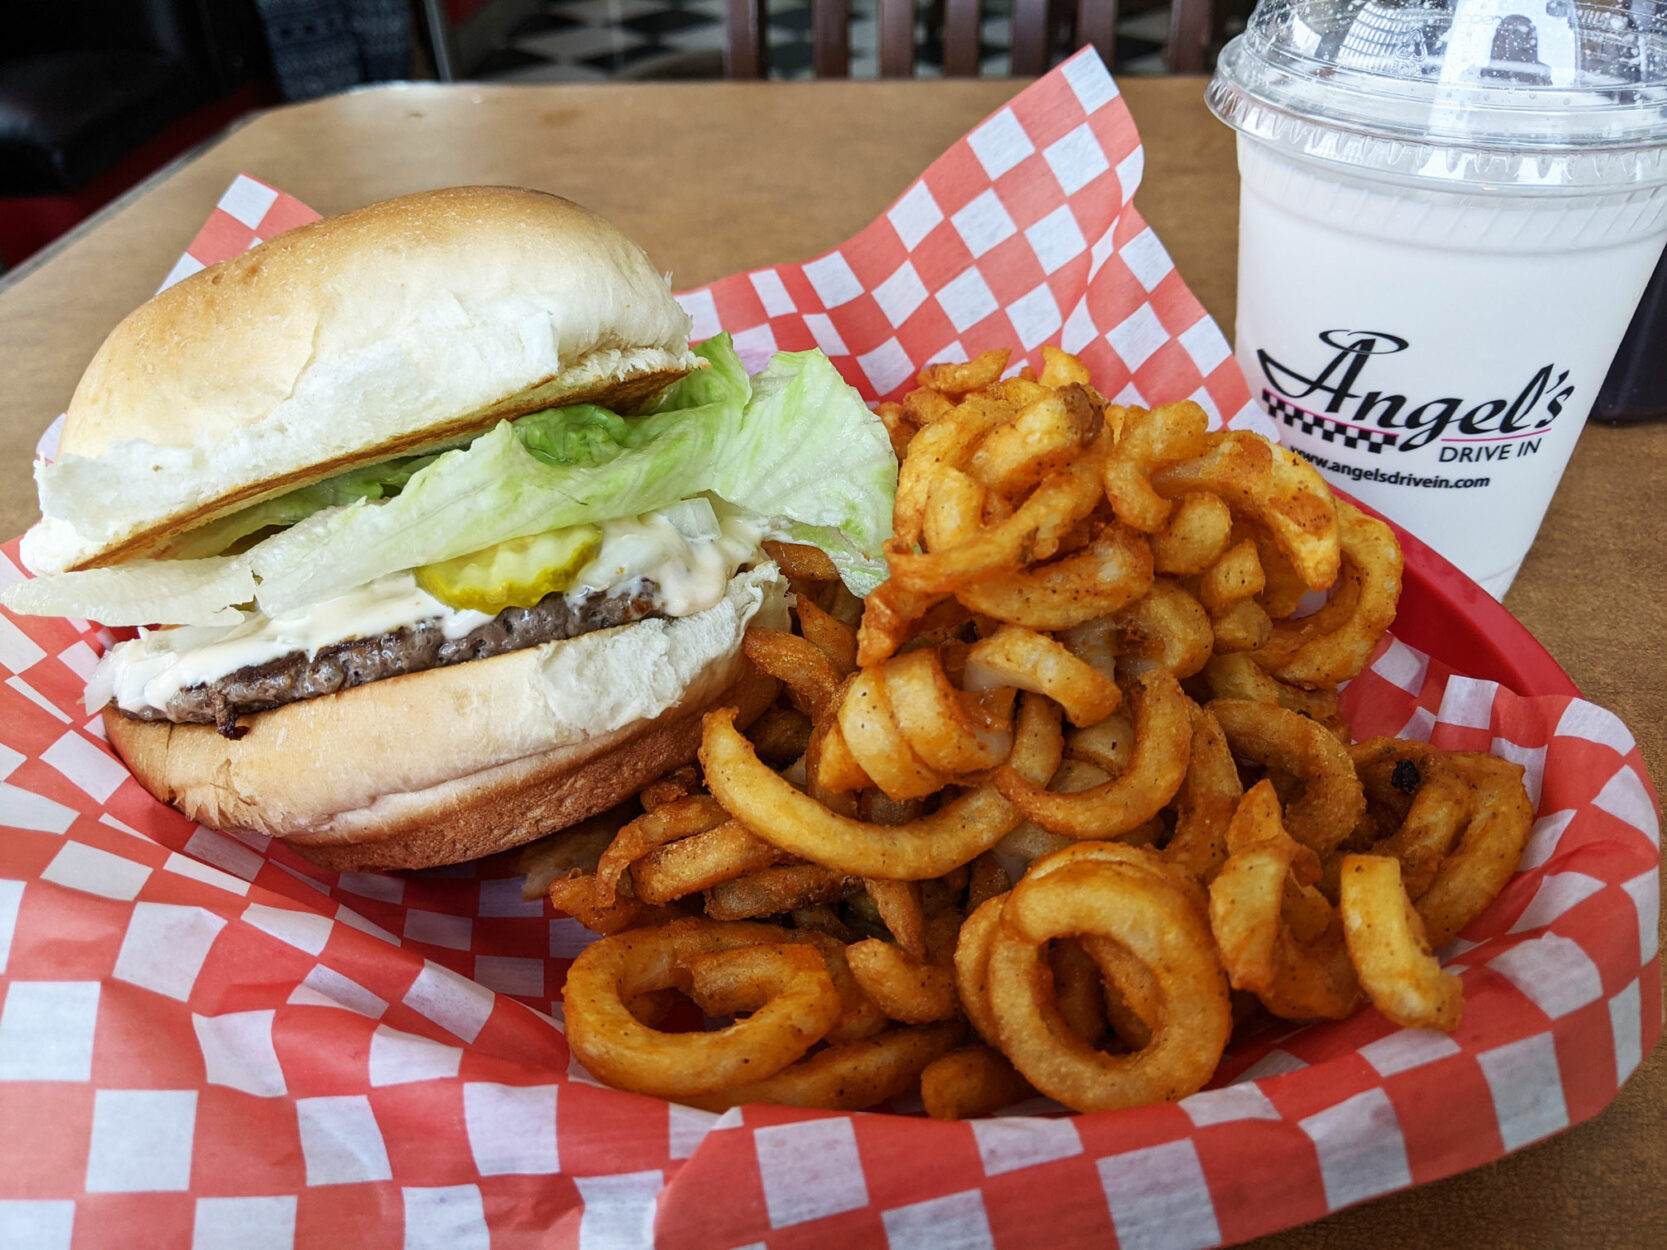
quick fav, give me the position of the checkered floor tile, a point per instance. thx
(594, 40)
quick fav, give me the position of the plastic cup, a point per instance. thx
(1448, 214)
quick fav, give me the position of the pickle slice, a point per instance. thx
(516, 573)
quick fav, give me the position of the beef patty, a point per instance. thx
(410, 649)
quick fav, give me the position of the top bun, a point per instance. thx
(394, 327)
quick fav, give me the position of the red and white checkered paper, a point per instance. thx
(205, 1041)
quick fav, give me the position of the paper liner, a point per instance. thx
(207, 1041)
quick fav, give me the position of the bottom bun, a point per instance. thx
(455, 763)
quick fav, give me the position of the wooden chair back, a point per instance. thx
(1034, 23)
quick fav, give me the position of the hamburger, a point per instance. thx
(439, 534)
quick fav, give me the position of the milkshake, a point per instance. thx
(1448, 214)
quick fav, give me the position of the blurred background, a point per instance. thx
(96, 95)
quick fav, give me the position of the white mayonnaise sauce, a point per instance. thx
(691, 561)
(690, 569)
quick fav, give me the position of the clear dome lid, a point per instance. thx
(1548, 93)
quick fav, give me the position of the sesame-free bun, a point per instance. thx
(399, 326)
(454, 763)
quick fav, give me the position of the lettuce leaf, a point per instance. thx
(722, 380)
(817, 463)
(798, 448)
(565, 466)
(368, 482)
(142, 592)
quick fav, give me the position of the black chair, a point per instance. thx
(84, 83)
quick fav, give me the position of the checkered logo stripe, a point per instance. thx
(1329, 430)
(205, 1033)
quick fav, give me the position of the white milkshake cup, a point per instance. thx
(1448, 213)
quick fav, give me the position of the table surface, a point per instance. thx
(717, 177)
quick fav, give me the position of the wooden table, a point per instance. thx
(713, 178)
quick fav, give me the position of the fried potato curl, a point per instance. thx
(1049, 807)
